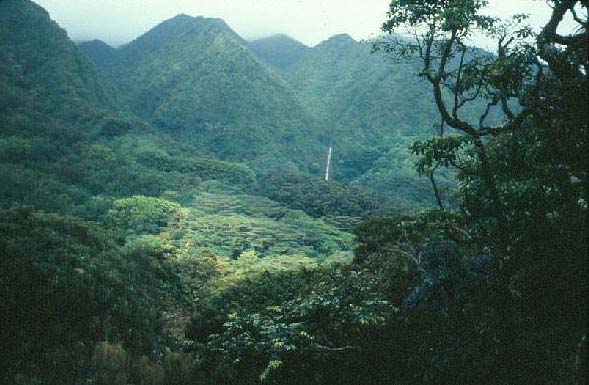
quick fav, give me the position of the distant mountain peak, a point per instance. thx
(197, 20)
(278, 38)
(279, 51)
(180, 33)
(281, 36)
(95, 43)
(97, 51)
(182, 16)
(342, 38)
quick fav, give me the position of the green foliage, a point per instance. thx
(280, 51)
(319, 198)
(111, 363)
(444, 151)
(142, 214)
(297, 326)
(196, 79)
(68, 284)
(492, 273)
(98, 51)
(177, 74)
(229, 224)
(366, 106)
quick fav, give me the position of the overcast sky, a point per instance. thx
(310, 21)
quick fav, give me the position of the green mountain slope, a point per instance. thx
(62, 140)
(371, 108)
(54, 69)
(98, 51)
(369, 97)
(275, 103)
(281, 52)
(195, 78)
(109, 228)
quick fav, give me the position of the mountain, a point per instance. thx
(163, 219)
(274, 102)
(218, 113)
(63, 136)
(37, 54)
(98, 51)
(280, 51)
(196, 79)
(371, 108)
(371, 98)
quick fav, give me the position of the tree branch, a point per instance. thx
(457, 86)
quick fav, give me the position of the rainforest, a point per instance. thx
(197, 208)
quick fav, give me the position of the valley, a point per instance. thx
(165, 219)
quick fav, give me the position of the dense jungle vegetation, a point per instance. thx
(164, 219)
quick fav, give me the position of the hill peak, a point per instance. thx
(183, 23)
(97, 51)
(342, 36)
(181, 16)
(185, 30)
(339, 39)
(279, 51)
(278, 38)
(94, 43)
(196, 20)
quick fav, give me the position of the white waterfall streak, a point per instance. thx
(328, 163)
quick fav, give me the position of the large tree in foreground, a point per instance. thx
(522, 164)
(545, 73)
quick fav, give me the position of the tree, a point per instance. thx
(523, 84)
(141, 214)
(522, 165)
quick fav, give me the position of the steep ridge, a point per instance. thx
(98, 51)
(281, 52)
(64, 139)
(348, 85)
(55, 69)
(196, 79)
(374, 109)
(277, 104)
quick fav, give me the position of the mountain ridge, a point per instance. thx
(280, 51)
(196, 79)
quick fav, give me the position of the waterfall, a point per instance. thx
(328, 163)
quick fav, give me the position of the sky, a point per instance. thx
(309, 21)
